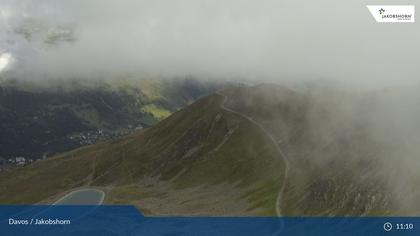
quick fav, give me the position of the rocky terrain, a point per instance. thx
(222, 155)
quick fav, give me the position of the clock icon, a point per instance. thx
(387, 226)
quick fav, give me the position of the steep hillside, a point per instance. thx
(38, 118)
(350, 153)
(200, 160)
(262, 150)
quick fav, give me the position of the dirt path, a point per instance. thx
(270, 136)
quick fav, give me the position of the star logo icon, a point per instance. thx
(381, 11)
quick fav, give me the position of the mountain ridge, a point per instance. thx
(41, 120)
(206, 160)
(200, 151)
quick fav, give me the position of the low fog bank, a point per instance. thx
(374, 136)
(351, 152)
(285, 41)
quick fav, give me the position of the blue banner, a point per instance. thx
(127, 220)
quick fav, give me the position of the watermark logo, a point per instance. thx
(392, 13)
(381, 11)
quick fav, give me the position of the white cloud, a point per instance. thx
(330, 39)
(5, 59)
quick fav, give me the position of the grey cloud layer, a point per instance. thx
(337, 40)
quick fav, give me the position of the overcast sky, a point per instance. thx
(289, 39)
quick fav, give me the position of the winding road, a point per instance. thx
(270, 136)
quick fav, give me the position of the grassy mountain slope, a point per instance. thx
(351, 155)
(200, 160)
(39, 118)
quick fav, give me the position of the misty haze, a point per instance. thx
(210, 107)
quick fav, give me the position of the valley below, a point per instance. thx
(261, 150)
(42, 119)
